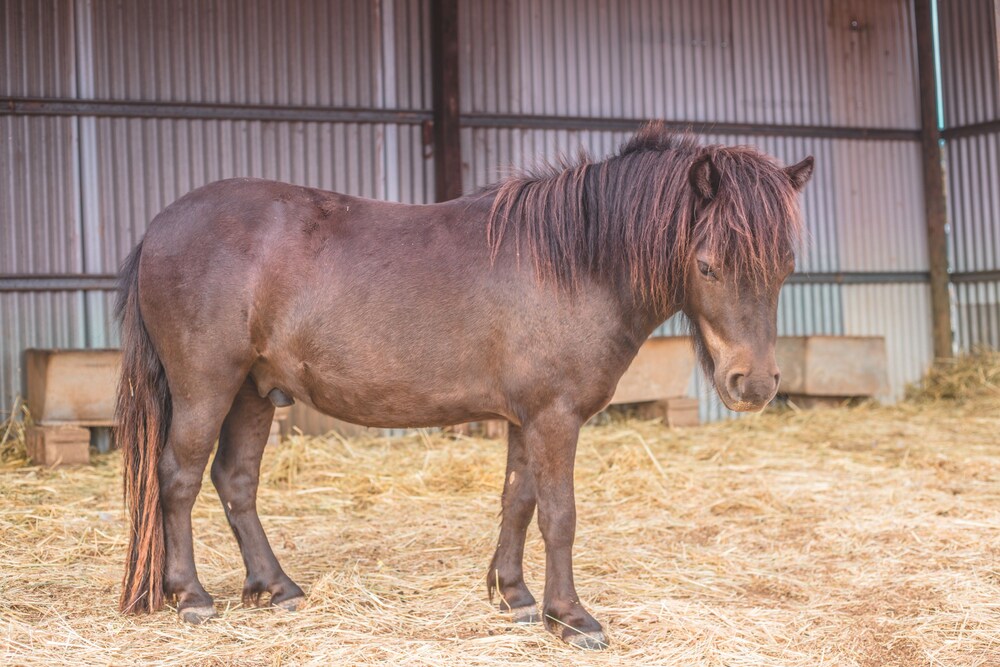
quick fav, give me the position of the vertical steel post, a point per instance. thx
(444, 84)
(935, 210)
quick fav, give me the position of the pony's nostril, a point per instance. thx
(777, 380)
(735, 384)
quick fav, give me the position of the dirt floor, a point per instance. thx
(867, 536)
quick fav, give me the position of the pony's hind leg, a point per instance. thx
(506, 575)
(235, 473)
(194, 426)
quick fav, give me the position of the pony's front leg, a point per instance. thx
(506, 575)
(550, 440)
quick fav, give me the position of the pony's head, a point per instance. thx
(710, 230)
(745, 227)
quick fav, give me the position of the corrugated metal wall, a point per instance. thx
(79, 190)
(39, 200)
(971, 102)
(769, 61)
(334, 94)
(816, 65)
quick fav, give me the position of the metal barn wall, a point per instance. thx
(40, 231)
(793, 77)
(325, 94)
(971, 99)
(113, 109)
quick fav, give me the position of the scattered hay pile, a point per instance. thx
(12, 436)
(866, 537)
(960, 378)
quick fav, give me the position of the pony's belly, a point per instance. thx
(400, 409)
(385, 400)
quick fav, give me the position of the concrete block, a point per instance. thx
(841, 366)
(675, 412)
(58, 445)
(661, 369)
(72, 386)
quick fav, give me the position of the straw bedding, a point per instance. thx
(867, 536)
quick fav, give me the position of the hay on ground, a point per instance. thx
(867, 537)
(960, 378)
(13, 432)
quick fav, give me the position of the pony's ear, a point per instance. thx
(799, 174)
(704, 176)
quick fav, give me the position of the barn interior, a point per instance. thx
(112, 111)
(862, 535)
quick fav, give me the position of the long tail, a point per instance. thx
(142, 414)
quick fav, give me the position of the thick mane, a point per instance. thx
(637, 215)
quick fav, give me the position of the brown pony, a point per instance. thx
(525, 301)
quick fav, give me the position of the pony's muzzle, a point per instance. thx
(749, 390)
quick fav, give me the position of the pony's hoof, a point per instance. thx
(526, 614)
(591, 641)
(291, 604)
(197, 615)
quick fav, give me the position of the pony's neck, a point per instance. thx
(640, 317)
(648, 290)
(623, 221)
(572, 236)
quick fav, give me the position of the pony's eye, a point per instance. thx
(706, 270)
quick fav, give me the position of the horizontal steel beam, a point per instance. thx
(37, 106)
(58, 283)
(859, 278)
(174, 110)
(894, 277)
(108, 282)
(27, 282)
(975, 129)
(976, 276)
(487, 120)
